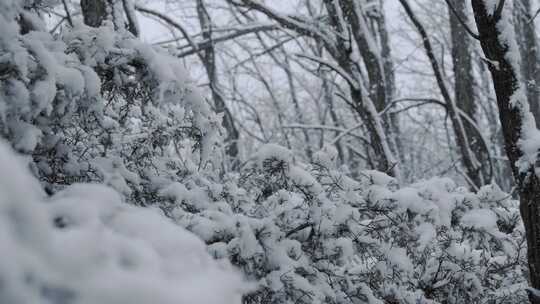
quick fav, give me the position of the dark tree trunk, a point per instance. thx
(370, 54)
(382, 156)
(296, 103)
(468, 160)
(392, 119)
(209, 61)
(512, 116)
(463, 87)
(329, 99)
(379, 143)
(131, 19)
(377, 60)
(528, 47)
(94, 12)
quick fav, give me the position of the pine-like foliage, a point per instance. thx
(95, 104)
(307, 233)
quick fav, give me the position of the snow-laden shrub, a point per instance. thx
(95, 104)
(84, 245)
(310, 234)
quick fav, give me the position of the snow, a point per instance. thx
(480, 219)
(491, 5)
(426, 234)
(303, 178)
(326, 157)
(85, 245)
(26, 136)
(398, 257)
(273, 151)
(115, 174)
(410, 199)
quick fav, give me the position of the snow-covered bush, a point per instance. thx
(310, 234)
(95, 104)
(84, 245)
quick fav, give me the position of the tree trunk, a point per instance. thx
(367, 47)
(463, 87)
(468, 160)
(94, 12)
(369, 101)
(516, 120)
(382, 155)
(528, 47)
(377, 60)
(286, 65)
(209, 61)
(329, 99)
(390, 83)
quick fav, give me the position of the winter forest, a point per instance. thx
(269, 151)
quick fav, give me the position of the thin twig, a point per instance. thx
(68, 14)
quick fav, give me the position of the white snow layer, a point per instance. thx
(84, 245)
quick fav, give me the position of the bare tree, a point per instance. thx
(464, 95)
(208, 58)
(470, 163)
(348, 32)
(392, 118)
(502, 54)
(528, 46)
(95, 12)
